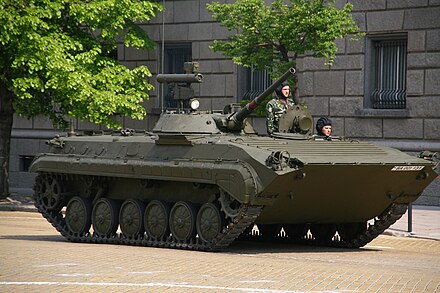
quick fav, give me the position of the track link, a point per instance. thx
(246, 216)
(395, 212)
(381, 223)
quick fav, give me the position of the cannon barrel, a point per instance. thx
(176, 78)
(236, 120)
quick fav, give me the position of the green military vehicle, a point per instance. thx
(202, 179)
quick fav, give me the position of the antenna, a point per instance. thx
(163, 56)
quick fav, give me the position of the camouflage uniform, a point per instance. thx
(275, 108)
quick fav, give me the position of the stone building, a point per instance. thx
(384, 88)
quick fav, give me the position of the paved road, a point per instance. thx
(35, 258)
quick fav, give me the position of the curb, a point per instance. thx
(9, 204)
(18, 208)
(399, 233)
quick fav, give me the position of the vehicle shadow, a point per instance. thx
(51, 238)
(256, 247)
(237, 247)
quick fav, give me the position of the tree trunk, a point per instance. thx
(6, 116)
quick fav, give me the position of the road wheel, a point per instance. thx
(268, 231)
(183, 221)
(131, 218)
(105, 217)
(78, 215)
(323, 232)
(156, 219)
(296, 231)
(210, 222)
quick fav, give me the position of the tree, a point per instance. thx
(272, 37)
(56, 61)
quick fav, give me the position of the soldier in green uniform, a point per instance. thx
(277, 107)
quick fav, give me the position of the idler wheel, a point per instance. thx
(156, 219)
(210, 222)
(296, 231)
(323, 232)
(131, 218)
(351, 231)
(268, 231)
(49, 189)
(78, 215)
(105, 217)
(183, 221)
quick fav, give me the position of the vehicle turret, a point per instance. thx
(235, 121)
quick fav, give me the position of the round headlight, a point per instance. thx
(194, 104)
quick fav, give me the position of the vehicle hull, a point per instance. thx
(313, 181)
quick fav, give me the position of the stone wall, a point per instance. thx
(189, 22)
(337, 91)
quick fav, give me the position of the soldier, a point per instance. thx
(278, 106)
(324, 127)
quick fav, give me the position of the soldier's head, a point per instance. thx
(283, 90)
(324, 126)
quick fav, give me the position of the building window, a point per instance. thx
(387, 88)
(25, 163)
(255, 83)
(175, 56)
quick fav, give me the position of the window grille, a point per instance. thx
(257, 82)
(389, 88)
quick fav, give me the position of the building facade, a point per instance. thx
(384, 88)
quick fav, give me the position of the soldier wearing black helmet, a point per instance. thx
(324, 127)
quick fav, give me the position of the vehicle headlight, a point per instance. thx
(194, 104)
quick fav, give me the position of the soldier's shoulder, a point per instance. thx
(272, 102)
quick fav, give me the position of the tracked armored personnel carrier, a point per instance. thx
(201, 179)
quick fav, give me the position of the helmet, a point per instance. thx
(279, 88)
(323, 121)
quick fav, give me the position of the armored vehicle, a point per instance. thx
(202, 179)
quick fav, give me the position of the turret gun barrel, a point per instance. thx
(235, 121)
(179, 78)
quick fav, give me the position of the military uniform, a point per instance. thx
(274, 110)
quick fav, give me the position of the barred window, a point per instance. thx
(389, 74)
(256, 83)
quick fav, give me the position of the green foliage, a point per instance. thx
(272, 36)
(54, 58)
